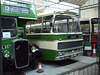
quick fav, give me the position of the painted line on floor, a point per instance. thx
(68, 67)
(87, 67)
(83, 62)
(24, 73)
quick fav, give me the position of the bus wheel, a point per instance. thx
(34, 63)
(35, 56)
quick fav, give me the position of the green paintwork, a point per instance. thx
(31, 15)
(55, 37)
(22, 23)
(19, 22)
(8, 42)
(87, 44)
(48, 54)
(51, 54)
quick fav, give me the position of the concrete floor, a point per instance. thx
(54, 68)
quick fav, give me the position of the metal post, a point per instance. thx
(98, 20)
(79, 12)
(1, 69)
(99, 29)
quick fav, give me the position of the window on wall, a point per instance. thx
(89, 13)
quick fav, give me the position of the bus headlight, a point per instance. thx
(6, 53)
(34, 49)
(60, 53)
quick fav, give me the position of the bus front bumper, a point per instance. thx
(64, 57)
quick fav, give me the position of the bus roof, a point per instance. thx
(60, 12)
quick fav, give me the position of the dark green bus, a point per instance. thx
(16, 50)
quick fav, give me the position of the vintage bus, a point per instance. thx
(16, 51)
(89, 27)
(57, 34)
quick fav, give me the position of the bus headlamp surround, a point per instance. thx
(60, 53)
(33, 48)
(6, 53)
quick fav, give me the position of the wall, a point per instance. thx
(89, 9)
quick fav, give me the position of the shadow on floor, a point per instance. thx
(59, 63)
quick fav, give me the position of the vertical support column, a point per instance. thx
(1, 67)
(99, 30)
(98, 20)
(42, 24)
(79, 12)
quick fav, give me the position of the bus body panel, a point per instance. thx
(18, 9)
(52, 55)
(7, 45)
(54, 36)
(58, 35)
(50, 48)
(14, 17)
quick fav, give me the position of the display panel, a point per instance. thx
(14, 9)
(19, 8)
(15, 4)
(21, 0)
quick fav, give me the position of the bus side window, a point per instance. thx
(46, 30)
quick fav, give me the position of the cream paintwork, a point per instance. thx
(52, 45)
(53, 33)
(57, 13)
(45, 44)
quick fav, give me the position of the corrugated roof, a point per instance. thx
(58, 5)
(76, 2)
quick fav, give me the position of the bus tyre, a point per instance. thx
(34, 63)
(35, 56)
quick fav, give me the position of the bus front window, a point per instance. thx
(8, 28)
(65, 24)
(85, 26)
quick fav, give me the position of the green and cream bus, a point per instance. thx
(57, 34)
(16, 50)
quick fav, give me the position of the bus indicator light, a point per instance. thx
(52, 37)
